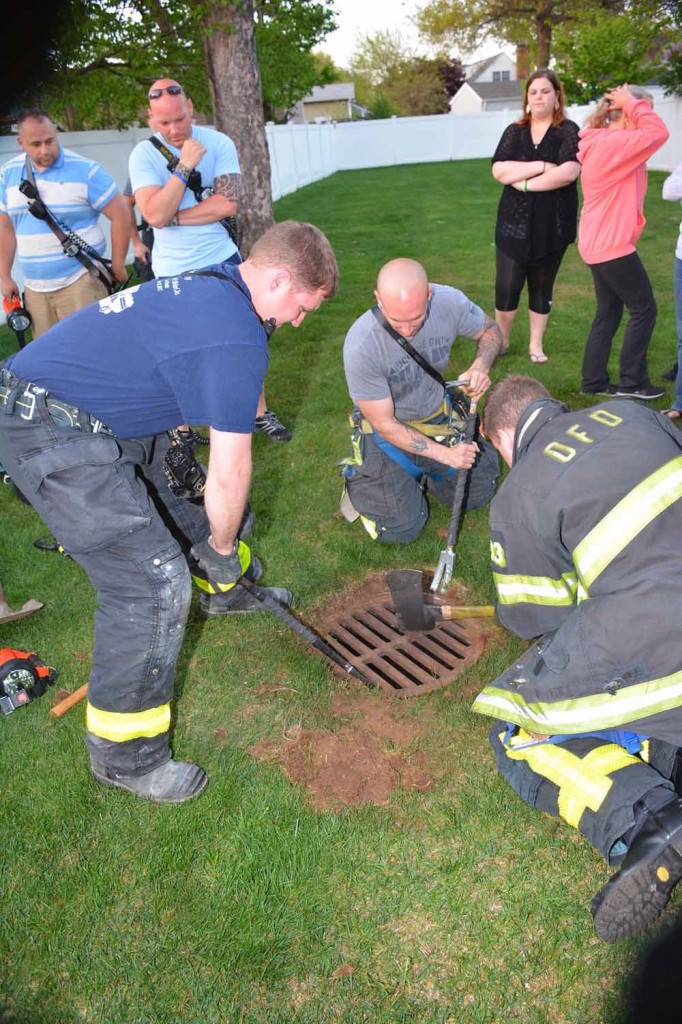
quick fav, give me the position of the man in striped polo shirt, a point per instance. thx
(75, 191)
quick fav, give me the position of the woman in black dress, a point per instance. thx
(536, 219)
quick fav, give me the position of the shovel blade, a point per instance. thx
(407, 594)
(8, 615)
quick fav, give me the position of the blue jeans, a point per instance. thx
(107, 502)
(677, 402)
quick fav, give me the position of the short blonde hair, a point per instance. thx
(508, 401)
(301, 249)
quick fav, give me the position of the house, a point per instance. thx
(491, 84)
(335, 102)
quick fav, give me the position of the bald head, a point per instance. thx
(403, 295)
(170, 112)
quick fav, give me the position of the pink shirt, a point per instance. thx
(614, 181)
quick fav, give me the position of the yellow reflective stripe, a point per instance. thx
(593, 713)
(580, 786)
(627, 519)
(514, 589)
(602, 760)
(121, 727)
(609, 758)
(213, 586)
(582, 782)
(370, 526)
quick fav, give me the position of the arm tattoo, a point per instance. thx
(489, 342)
(418, 443)
(228, 186)
(183, 169)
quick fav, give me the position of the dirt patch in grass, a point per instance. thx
(375, 746)
(374, 751)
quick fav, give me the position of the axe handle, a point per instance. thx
(65, 705)
(471, 611)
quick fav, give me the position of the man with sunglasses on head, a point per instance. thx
(189, 233)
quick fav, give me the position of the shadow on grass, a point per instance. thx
(652, 992)
(40, 1009)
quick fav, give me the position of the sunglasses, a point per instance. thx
(172, 90)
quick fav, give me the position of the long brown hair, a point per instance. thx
(559, 114)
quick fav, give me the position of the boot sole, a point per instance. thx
(104, 780)
(628, 904)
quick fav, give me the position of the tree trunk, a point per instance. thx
(543, 27)
(234, 79)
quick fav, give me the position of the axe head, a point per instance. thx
(407, 594)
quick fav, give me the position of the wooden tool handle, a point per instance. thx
(64, 705)
(470, 611)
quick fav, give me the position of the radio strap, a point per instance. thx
(72, 244)
(194, 185)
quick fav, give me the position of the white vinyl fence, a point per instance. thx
(301, 154)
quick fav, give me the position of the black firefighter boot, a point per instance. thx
(637, 894)
(238, 600)
(170, 783)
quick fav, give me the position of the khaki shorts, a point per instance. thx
(48, 308)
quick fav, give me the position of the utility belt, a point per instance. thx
(29, 401)
(429, 425)
(444, 426)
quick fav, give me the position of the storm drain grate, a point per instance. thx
(400, 663)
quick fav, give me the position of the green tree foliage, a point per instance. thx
(390, 79)
(468, 23)
(604, 51)
(669, 69)
(286, 33)
(109, 51)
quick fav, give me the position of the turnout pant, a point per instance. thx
(108, 504)
(391, 501)
(595, 785)
(618, 284)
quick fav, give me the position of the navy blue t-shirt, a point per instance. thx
(176, 350)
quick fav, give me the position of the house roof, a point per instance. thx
(497, 90)
(472, 71)
(329, 93)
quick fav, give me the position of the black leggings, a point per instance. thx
(512, 274)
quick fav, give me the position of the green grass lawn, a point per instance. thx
(451, 905)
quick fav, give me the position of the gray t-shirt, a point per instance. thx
(377, 367)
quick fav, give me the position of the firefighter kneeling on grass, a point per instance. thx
(586, 543)
(404, 417)
(84, 416)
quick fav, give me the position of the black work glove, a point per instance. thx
(216, 573)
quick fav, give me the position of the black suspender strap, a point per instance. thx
(72, 244)
(409, 348)
(194, 185)
(268, 325)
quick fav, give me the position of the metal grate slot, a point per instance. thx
(406, 664)
(346, 647)
(432, 651)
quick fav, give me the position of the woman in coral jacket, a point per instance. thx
(618, 139)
